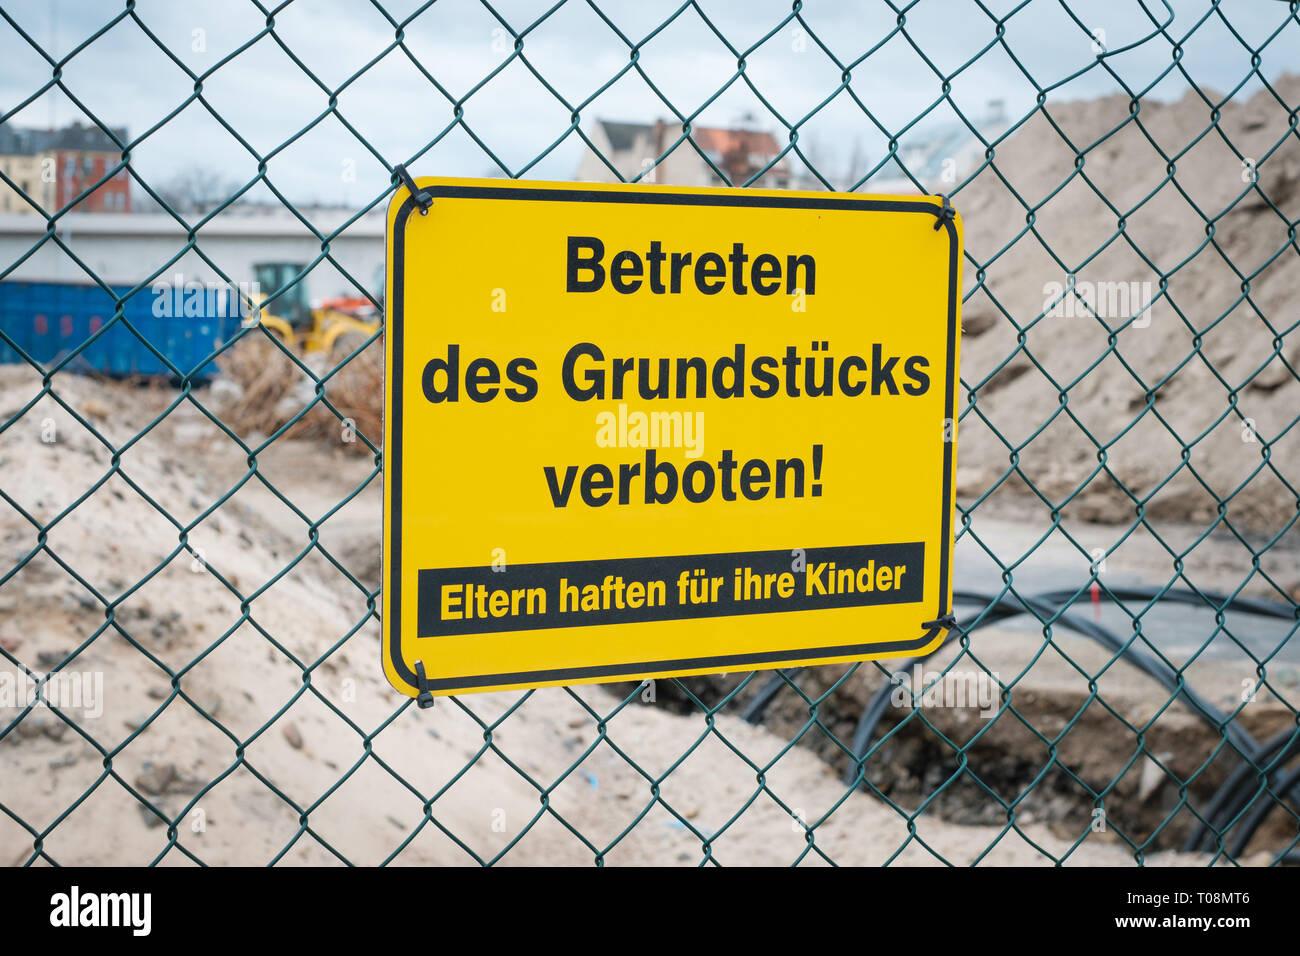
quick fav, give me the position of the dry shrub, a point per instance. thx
(260, 389)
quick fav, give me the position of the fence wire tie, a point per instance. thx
(945, 214)
(421, 195)
(947, 621)
(424, 700)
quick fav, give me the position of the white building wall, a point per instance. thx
(127, 249)
(682, 167)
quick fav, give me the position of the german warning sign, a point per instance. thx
(638, 431)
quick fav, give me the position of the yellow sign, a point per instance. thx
(637, 431)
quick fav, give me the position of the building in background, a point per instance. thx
(55, 166)
(125, 250)
(633, 148)
(938, 155)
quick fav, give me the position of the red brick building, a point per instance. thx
(54, 167)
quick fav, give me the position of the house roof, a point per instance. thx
(623, 136)
(711, 139)
(747, 141)
(735, 150)
(21, 141)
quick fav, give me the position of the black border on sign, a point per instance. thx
(393, 455)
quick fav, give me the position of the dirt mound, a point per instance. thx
(1191, 401)
(264, 388)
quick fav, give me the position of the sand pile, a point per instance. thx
(1210, 369)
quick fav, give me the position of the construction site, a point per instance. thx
(192, 505)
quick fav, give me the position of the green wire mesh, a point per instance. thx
(1234, 786)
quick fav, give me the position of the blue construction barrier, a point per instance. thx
(50, 320)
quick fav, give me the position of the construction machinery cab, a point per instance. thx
(291, 304)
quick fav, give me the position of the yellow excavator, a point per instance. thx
(343, 323)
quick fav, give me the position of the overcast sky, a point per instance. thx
(126, 80)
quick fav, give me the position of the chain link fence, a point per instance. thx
(189, 570)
